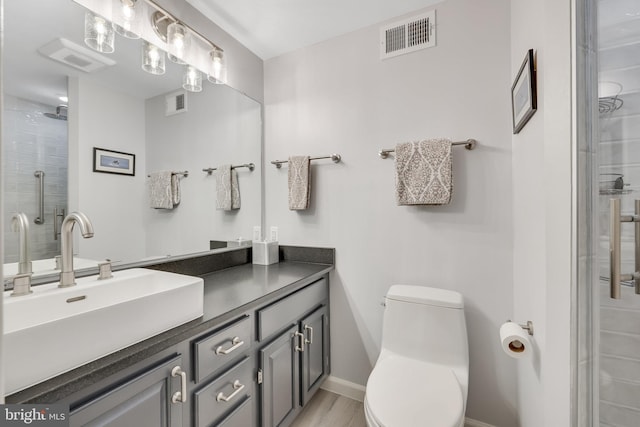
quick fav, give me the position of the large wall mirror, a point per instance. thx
(57, 110)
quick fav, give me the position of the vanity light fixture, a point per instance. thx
(218, 71)
(98, 33)
(128, 13)
(164, 33)
(192, 79)
(152, 59)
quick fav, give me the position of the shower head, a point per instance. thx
(60, 114)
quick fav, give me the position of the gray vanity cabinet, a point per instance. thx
(142, 401)
(292, 365)
(314, 367)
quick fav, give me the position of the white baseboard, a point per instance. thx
(344, 388)
(468, 422)
(356, 392)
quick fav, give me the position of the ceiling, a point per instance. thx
(270, 28)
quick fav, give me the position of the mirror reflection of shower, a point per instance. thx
(35, 146)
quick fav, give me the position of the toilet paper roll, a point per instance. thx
(515, 340)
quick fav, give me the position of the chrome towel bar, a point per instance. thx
(251, 167)
(469, 144)
(182, 173)
(334, 157)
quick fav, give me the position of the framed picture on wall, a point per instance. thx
(109, 161)
(523, 93)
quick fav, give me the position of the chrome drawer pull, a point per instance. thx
(300, 346)
(237, 387)
(180, 396)
(236, 343)
(310, 329)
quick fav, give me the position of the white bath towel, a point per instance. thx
(227, 188)
(424, 173)
(160, 190)
(299, 180)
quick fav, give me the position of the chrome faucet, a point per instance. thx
(20, 223)
(67, 276)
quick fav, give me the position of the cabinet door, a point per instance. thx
(315, 360)
(280, 387)
(144, 401)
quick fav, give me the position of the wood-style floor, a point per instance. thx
(327, 409)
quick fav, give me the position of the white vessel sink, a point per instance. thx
(54, 330)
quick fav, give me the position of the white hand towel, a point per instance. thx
(160, 194)
(227, 188)
(299, 180)
(424, 173)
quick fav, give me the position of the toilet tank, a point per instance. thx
(426, 324)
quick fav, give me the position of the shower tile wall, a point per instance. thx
(32, 141)
(619, 152)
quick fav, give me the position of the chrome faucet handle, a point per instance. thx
(21, 285)
(105, 270)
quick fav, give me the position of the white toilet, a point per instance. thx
(421, 376)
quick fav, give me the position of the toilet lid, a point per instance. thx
(406, 392)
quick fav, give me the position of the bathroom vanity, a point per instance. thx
(255, 357)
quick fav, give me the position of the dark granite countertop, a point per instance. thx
(227, 293)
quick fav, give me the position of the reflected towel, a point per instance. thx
(160, 186)
(423, 172)
(227, 188)
(299, 180)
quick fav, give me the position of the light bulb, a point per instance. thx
(152, 59)
(98, 33)
(192, 79)
(218, 71)
(127, 22)
(179, 41)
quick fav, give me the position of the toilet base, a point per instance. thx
(370, 420)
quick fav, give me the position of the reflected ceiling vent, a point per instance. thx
(76, 56)
(409, 35)
(175, 102)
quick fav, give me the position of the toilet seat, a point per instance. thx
(403, 392)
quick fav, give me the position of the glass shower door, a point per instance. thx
(617, 298)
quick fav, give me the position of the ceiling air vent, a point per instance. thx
(76, 56)
(409, 35)
(175, 102)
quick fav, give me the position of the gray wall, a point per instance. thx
(338, 96)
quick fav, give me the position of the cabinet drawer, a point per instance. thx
(223, 395)
(290, 309)
(215, 351)
(240, 417)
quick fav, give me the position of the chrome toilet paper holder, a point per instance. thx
(526, 326)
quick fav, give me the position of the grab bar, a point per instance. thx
(57, 214)
(40, 175)
(615, 248)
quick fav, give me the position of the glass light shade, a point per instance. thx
(98, 33)
(127, 17)
(218, 71)
(153, 61)
(179, 41)
(192, 79)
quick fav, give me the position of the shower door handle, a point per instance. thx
(615, 247)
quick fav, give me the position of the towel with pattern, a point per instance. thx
(160, 190)
(424, 173)
(227, 188)
(299, 180)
